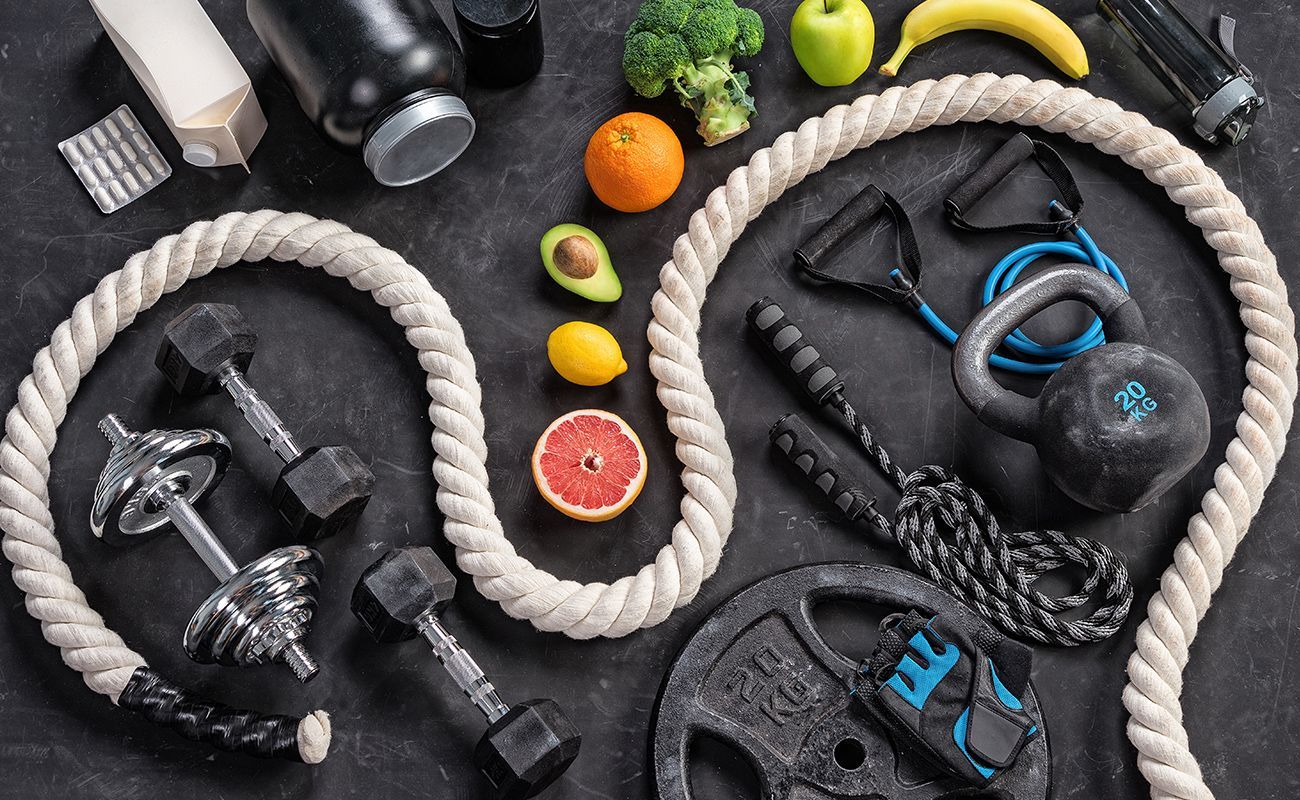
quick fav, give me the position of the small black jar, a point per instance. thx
(382, 78)
(502, 39)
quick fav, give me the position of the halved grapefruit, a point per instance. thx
(589, 464)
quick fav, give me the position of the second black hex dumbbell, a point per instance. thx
(321, 490)
(527, 746)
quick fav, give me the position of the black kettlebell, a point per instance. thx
(1116, 425)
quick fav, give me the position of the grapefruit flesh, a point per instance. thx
(589, 464)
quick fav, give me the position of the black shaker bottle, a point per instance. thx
(382, 78)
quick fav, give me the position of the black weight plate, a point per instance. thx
(758, 677)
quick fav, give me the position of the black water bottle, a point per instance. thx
(382, 78)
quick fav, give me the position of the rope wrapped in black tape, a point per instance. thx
(198, 719)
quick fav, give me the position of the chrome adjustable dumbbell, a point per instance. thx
(260, 612)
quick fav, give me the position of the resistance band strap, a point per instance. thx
(1001, 164)
(862, 209)
(198, 719)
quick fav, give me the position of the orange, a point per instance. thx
(634, 162)
(589, 464)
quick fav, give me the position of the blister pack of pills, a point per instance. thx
(115, 160)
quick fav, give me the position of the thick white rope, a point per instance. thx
(647, 598)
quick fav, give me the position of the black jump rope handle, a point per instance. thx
(806, 368)
(801, 362)
(824, 470)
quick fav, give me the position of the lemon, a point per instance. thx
(585, 354)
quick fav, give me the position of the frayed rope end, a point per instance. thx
(314, 737)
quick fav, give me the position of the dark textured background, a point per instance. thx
(336, 368)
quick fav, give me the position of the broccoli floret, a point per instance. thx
(660, 15)
(650, 61)
(689, 44)
(750, 32)
(710, 29)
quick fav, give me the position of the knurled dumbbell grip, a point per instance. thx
(198, 534)
(260, 416)
(462, 668)
(801, 362)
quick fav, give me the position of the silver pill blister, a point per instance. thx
(115, 160)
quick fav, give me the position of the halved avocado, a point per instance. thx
(577, 259)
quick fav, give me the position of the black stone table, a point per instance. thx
(337, 368)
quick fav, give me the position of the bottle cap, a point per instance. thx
(419, 139)
(200, 154)
(494, 17)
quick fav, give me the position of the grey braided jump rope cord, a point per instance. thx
(992, 570)
(647, 598)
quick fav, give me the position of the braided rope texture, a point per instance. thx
(991, 570)
(673, 579)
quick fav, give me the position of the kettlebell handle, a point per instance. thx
(1000, 408)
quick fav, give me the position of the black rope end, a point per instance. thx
(199, 719)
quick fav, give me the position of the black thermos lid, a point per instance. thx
(493, 17)
(502, 39)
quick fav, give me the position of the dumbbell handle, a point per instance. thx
(462, 668)
(196, 532)
(260, 416)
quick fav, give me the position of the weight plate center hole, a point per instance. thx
(178, 484)
(850, 754)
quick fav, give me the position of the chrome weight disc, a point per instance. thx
(258, 613)
(194, 461)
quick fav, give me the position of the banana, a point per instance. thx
(1023, 19)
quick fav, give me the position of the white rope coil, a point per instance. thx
(649, 596)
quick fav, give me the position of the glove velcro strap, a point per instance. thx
(941, 693)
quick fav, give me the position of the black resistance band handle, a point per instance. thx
(824, 470)
(863, 208)
(992, 172)
(802, 363)
(1002, 163)
(201, 720)
(859, 211)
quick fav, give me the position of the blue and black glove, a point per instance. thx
(951, 693)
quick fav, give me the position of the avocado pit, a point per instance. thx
(576, 257)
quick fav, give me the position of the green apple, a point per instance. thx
(833, 40)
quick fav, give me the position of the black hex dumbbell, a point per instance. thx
(526, 746)
(321, 490)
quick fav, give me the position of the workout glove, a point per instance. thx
(951, 693)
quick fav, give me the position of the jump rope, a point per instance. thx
(991, 570)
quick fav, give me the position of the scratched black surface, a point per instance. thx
(336, 368)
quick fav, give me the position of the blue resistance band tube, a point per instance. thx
(1071, 243)
(1080, 247)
